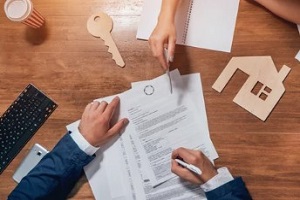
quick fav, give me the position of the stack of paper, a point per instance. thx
(137, 164)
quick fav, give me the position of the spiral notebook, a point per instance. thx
(207, 24)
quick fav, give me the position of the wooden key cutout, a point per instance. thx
(100, 25)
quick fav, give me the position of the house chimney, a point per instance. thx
(283, 72)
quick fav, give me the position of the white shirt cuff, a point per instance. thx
(218, 180)
(83, 144)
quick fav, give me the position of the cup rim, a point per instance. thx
(24, 16)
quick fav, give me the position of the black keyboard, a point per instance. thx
(21, 121)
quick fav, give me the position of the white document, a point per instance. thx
(174, 188)
(207, 24)
(298, 56)
(190, 84)
(164, 124)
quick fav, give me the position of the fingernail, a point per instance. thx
(171, 58)
(125, 121)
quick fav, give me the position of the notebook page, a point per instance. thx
(151, 9)
(212, 24)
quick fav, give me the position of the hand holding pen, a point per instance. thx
(193, 161)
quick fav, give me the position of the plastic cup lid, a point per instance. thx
(17, 10)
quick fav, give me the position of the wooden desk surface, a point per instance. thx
(74, 68)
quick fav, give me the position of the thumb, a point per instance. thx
(117, 128)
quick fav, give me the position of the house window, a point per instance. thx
(255, 90)
(261, 90)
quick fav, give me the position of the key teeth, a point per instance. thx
(120, 63)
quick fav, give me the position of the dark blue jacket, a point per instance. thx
(233, 190)
(57, 173)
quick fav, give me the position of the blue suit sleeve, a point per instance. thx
(55, 175)
(233, 190)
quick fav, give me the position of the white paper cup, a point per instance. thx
(23, 11)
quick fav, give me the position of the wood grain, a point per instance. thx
(73, 68)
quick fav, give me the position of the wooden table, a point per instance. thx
(73, 68)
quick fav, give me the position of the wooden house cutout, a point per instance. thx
(263, 75)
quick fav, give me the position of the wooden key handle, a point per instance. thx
(99, 24)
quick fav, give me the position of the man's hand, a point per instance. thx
(196, 158)
(95, 122)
